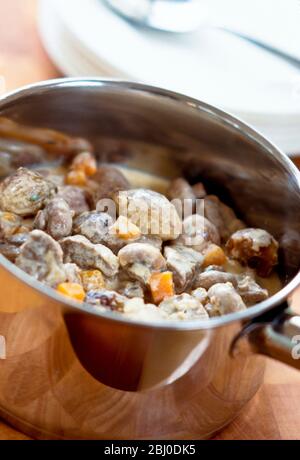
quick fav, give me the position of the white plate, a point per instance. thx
(208, 65)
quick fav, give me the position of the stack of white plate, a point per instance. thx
(85, 38)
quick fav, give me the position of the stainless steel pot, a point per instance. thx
(73, 373)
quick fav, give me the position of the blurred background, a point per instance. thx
(242, 56)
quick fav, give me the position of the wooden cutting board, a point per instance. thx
(275, 411)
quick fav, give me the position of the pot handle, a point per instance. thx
(276, 336)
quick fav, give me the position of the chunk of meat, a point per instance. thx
(250, 291)
(14, 154)
(52, 141)
(231, 222)
(211, 277)
(222, 216)
(185, 199)
(10, 251)
(183, 263)
(150, 211)
(183, 307)
(254, 247)
(110, 300)
(9, 224)
(56, 219)
(107, 181)
(224, 299)
(198, 233)
(212, 212)
(25, 192)
(199, 190)
(86, 255)
(76, 197)
(94, 226)
(10, 248)
(42, 257)
(5, 164)
(140, 261)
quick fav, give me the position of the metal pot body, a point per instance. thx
(71, 373)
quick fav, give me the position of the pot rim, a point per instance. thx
(194, 104)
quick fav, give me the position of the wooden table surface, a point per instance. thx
(275, 411)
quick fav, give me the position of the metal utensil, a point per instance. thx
(181, 16)
(73, 371)
(165, 15)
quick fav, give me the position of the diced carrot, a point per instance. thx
(125, 229)
(161, 285)
(73, 290)
(85, 162)
(214, 255)
(76, 177)
(92, 280)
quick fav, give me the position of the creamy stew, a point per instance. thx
(123, 240)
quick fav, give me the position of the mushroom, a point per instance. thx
(254, 247)
(183, 262)
(209, 278)
(199, 190)
(250, 291)
(107, 181)
(201, 295)
(76, 197)
(56, 219)
(140, 260)
(79, 250)
(221, 215)
(25, 192)
(150, 211)
(42, 257)
(94, 226)
(224, 299)
(184, 198)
